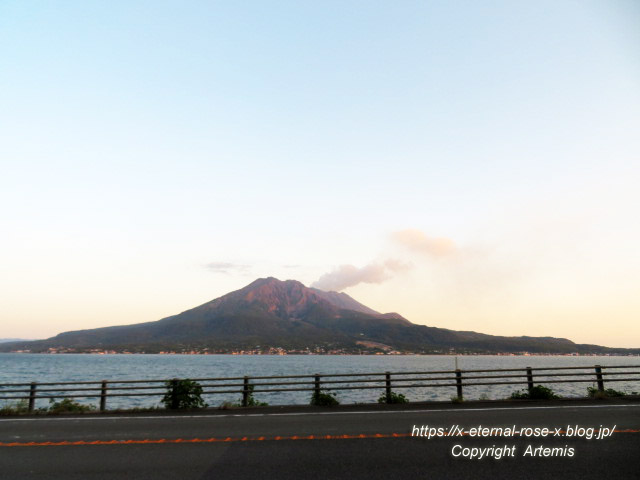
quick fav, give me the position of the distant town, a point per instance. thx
(310, 351)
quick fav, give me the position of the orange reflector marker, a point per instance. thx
(148, 441)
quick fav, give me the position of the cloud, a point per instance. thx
(417, 241)
(346, 276)
(226, 267)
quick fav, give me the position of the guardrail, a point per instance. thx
(384, 381)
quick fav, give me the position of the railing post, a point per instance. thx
(599, 378)
(316, 387)
(388, 386)
(174, 394)
(32, 396)
(459, 383)
(529, 379)
(103, 396)
(245, 392)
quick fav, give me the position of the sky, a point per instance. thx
(469, 165)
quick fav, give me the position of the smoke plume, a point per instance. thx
(346, 276)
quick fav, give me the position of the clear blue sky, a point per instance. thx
(156, 155)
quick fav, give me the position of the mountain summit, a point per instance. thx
(269, 313)
(290, 299)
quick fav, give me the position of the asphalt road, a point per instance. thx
(351, 443)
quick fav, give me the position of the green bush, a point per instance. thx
(593, 392)
(539, 392)
(66, 405)
(183, 394)
(393, 398)
(520, 395)
(457, 399)
(324, 399)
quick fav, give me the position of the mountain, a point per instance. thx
(286, 314)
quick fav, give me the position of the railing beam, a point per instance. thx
(33, 391)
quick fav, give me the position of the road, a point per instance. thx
(351, 443)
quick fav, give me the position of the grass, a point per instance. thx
(393, 398)
(17, 408)
(539, 392)
(324, 399)
(66, 405)
(593, 392)
(251, 401)
(138, 410)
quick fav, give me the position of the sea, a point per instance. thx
(42, 368)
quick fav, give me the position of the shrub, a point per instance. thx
(539, 392)
(393, 398)
(324, 399)
(66, 405)
(593, 392)
(457, 399)
(183, 394)
(520, 395)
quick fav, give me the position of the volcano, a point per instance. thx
(269, 314)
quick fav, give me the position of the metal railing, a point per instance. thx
(386, 382)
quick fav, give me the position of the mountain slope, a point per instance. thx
(273, 313)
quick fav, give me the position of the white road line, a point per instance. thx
(302, 414)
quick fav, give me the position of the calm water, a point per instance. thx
(21, 368)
